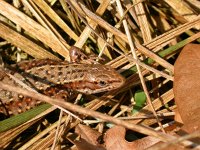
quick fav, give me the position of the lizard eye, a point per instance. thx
(102, 83)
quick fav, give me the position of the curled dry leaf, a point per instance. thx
(88, 138)
(115, 139)
(187, 87)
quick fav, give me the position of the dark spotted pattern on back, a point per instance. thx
(55, 78)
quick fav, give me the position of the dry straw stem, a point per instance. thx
(152, 45)
(145, 50)
(9, 135)
(142, 21)
(137, 65)
(42, 20)
(149, 122)
(195, 3)
(162, 40)
(32, 27)
(50, 129)
(157, 103)
(30, 47)
(82, 11)
(152, 55)
(92, 26)
(183, 9)
(50, 12)
(172, 33)
(87, 31)
(193, 135)
(85, 111)
(166, 97)
(160, 114)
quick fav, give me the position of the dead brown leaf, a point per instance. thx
(187, 87)
(88, 138)
(115, 139)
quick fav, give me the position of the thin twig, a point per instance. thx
(150, 54)
(57, 130)
(133, 118)
(92, 113)
(137, 65)
(176, 141)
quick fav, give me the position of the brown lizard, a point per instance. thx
(56, 78)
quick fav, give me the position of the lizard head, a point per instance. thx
(100, 78)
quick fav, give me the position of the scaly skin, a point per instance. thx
(56, 79)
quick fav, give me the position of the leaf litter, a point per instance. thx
(160, 30)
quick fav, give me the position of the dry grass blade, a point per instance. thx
(173, 33)
(46, 9)
(75, 108)
(32, 27)
(83, 10)
(142, 20)
(140, 39)
(14, 132)
(86, 32)
(183, 9)
(173, 142)
(30, 47)
(137, 65)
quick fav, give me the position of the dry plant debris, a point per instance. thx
(186, 87)
(141, 39)
(113, 138)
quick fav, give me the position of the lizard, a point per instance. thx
(56, 78)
